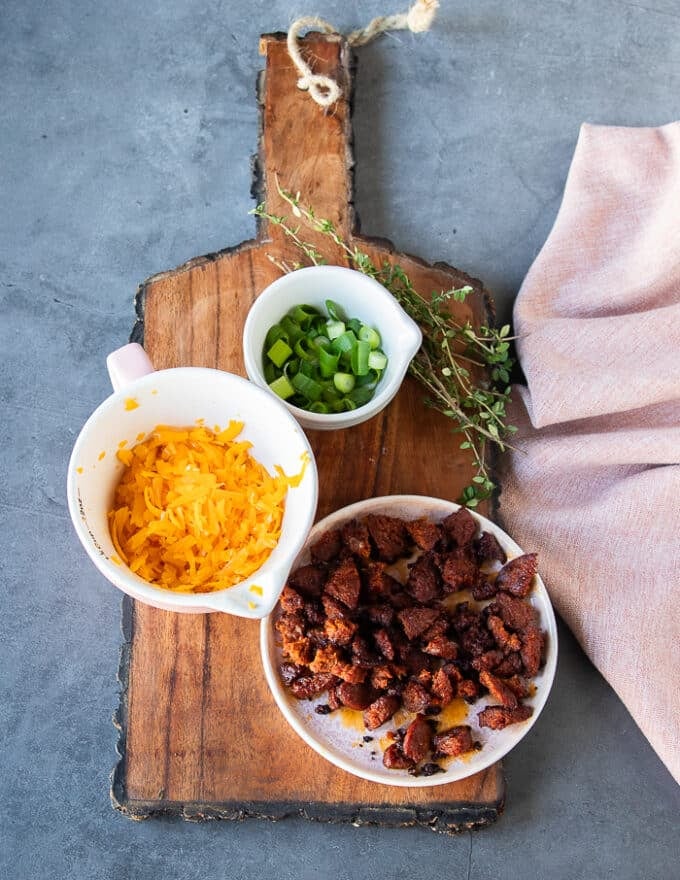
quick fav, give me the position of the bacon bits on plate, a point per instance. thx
(419, 624)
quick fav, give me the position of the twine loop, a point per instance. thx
(324, 89)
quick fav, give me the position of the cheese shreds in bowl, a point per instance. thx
(194, 511)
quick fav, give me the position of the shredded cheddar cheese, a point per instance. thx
(194, 511)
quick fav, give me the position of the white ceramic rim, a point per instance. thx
(455, 772)
(410, 343)
(135, 586)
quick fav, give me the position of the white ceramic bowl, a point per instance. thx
(360, 297)
(180, 397)
(344, 746)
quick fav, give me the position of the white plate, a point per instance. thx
(343, 745)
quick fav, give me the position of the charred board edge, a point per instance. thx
(117, 790)
(447, 818)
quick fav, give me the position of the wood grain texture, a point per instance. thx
(200, 732)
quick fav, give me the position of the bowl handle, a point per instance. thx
(127, 364)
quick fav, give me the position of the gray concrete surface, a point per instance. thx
(126, 134)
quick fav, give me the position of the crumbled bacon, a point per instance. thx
(308, 579)
(354, 696)
(424, 580)
(460, 527)
(489, 550)
(514, 613)
(516, 577)
(454, 741)
(424, 532)
(395, 759)
(349, 629)
(417, 739)
(389, 536)
(505, 640)
(417, 619)
(356, 539)
(380, 711)
(498, 689)
(327, 547)
(498, 717)
(458, 572)
(531, 650)
(344, 584)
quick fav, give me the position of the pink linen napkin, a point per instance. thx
(594, 484)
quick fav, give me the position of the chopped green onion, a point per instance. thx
(302, 349)
(306, 386)
(274, 333)
(328, 363)
(293, 330)
(359, 358)
(269, 372)
(291, 367)
(368, 334)
(335, 312)
(307, 368)
(345, 342)
(360, 396)
(335, 329)
(323, 364)
(370, 380)
(282, 388)
(279, 353)
(303, 315)
(377, 360)
(344, 382)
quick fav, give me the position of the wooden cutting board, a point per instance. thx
(200, 734)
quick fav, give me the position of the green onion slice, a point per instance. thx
(279, 353)
(368, 334)
(274, 333)
(344, 343)
(359, 358)
(304, 350)
(377, 360)
(307, 387)
(335, 329)
(335, 312)
(303, 316)
(328, 363)
(282, 388)
(344, 382)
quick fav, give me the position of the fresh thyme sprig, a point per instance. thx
(465, 370)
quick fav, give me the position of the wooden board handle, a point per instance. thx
(303, 146)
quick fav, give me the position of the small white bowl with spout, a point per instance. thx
(360, 297)
(181, 397)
